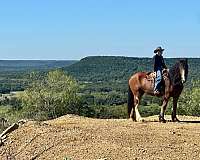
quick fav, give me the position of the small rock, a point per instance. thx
(4, 137)
(22, 121)
(3, 140)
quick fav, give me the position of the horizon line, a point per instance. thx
(17, 59)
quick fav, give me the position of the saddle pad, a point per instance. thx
(151, 76)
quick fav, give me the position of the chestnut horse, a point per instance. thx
(173, 86)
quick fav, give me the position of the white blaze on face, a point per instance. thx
(182, 75)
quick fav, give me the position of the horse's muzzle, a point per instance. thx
(183, 80)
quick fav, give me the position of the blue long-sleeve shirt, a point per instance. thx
(158, 62)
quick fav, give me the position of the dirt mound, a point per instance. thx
(77, 138)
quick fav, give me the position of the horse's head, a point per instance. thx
(183, 68)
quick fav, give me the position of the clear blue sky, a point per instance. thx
(73, 29)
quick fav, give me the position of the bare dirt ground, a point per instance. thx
(79, 138)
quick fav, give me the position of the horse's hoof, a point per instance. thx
(162, 120)
(175, 120)
(132, 119)
(140, 120)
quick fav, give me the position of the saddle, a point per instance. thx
(152, 75)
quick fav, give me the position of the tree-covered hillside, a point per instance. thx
(24, 65)
(98, 73)
(119, 69)
(14, 74)
(102, 84)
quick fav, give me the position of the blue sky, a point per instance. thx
(73, 29)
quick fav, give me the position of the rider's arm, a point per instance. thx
(163, 63)
(154, 62)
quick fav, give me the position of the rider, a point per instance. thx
(159, 65)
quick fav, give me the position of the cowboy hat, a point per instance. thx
(158, 49)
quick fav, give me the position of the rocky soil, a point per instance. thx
(78, 138)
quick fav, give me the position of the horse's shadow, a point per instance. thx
(189, 121)
(170, 121)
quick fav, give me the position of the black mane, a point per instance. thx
(175, 72)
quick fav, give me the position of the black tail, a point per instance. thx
(130, 101)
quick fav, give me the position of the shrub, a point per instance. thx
(53, 96)
(189, 103)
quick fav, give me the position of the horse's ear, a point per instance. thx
(185, 60)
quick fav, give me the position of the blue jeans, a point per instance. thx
(158, 80)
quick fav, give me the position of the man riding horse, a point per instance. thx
(159, 65)
(143, 82)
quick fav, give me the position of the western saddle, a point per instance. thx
(152, 75)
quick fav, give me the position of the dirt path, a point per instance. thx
(85, 138)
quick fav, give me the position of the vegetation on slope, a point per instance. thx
(14, 74)
(101, 90)
(115, 69)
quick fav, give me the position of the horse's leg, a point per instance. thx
(163, 108)
(174, 118)
(131, 108)
(136, 104)
(132, 114)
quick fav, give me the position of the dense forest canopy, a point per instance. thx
(14, 74)
(111, 73)
(107, 71)
(23, 65)
(112, 68)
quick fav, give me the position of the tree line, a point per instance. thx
(93, 87)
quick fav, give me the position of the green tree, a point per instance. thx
(189, 102)
(53, 96)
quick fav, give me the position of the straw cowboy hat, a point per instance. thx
(158, 49)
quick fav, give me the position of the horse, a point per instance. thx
(173, 82)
